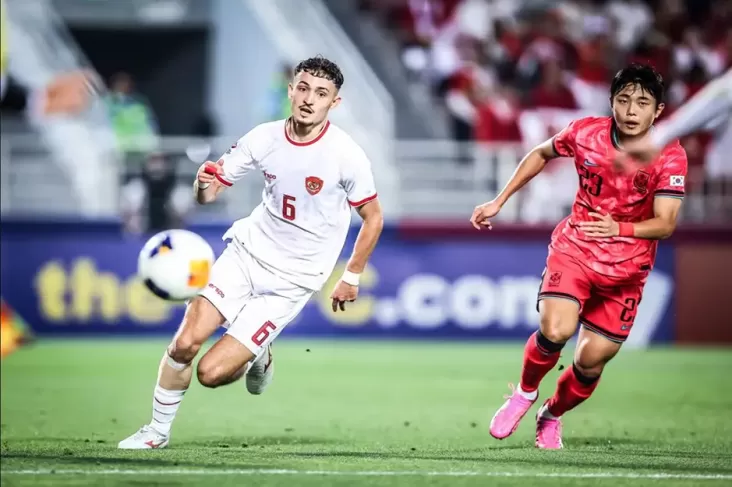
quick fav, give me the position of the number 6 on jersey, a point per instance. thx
(261, 335)
(288, 209)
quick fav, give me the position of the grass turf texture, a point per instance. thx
(362, 413)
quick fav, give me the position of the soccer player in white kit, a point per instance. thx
(279, 255)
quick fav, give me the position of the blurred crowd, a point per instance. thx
(152, 196)
(516, 70)
(513, 71)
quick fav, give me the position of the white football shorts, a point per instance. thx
(257, 303)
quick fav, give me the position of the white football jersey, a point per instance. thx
(299, 229)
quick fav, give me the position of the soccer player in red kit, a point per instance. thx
(600, 255)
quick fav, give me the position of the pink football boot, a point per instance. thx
(548, 431)
(507, 418)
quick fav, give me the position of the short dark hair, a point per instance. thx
(321, 67)
(643, 75)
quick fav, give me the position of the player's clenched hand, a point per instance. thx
(603, 226)
(482, 214)
(207, 173)
(343, 293)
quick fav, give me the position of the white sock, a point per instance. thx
(165, 405)
(544, 413)
(531, 396)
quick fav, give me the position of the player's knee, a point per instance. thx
(188, 342)
(210, 375)
(589, 367)
(184, 348)
(587, 375)
(555, 328)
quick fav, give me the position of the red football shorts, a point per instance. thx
(607, 305)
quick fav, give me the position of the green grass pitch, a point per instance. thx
(362, 413)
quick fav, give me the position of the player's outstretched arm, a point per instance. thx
(206, 187)
(368, 236)
(709, 105)
(531, 165)
(712, 102)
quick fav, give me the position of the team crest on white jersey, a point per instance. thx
(313, 185)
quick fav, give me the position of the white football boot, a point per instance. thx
(146, 438)
(260, 374)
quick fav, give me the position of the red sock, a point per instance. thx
(573, 389)
(540, 356)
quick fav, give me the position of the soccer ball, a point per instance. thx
(175, 264)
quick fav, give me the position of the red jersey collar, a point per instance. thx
(310, 142)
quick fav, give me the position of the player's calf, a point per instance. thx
(575, 386)
(559, 317)
(540, 356)
(215, 375)
(224, 363)
(174, 375)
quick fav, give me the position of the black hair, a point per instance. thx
(321, 67)
(642, 75)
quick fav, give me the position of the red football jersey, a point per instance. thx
(627, 197)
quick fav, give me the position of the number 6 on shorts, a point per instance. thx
(261, 335)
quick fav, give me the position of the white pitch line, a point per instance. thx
(374, 473)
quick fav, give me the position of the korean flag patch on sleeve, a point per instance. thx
(677, 181)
